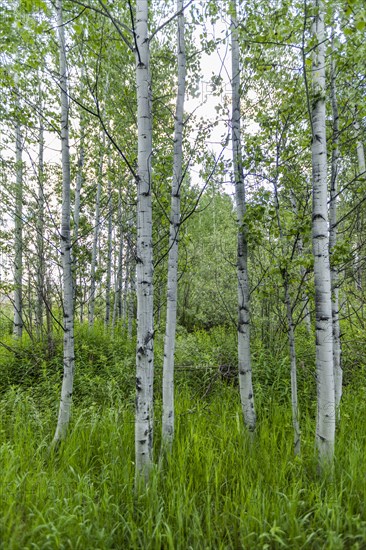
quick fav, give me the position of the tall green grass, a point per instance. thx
(217, 490)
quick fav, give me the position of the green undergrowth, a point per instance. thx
(218, 489)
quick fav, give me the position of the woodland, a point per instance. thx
(182, 274)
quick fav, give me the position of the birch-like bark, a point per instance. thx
(300, 248)
(80, 173)
(131, 295)
(290, 330)
(91, 305)
(325, 426)
(40, 224)
(67, 279)
(18, 241)
(360, 150)
(245, 369)
(118, 285)
(172, 284)
(361, 173)
(109, 250)
(78, 187)
(337, 365)
(144, 259)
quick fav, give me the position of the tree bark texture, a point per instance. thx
(325, 425)
(337, 365)
(144, 259)
(40, 276)
(67, 279)
(18, 226)
(172, 284)
(244, 356)
(94, 258)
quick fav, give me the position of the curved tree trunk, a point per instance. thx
(67, 279)
(325, 426)
(171, 312)
(245, 369)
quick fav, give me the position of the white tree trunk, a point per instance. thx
(91, 306)
(79, 184)
(325, 426)
(172, 284)
(131, 294)
(40, 223)
(300, 248)
(109, 250)
(67, 280)
(361, 173)
(118, 285)
(290, 329)
(337, 365)
(245, 369)
(144, 260)
(18, 241)
(360, 150)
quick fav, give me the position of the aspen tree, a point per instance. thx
(118, 281)
(144, 258)
(109, 248)
(244, 357)
(361, 174)
(325, 425)
(40, 221)
(18, 223)
(300, 248)
(94, 257)
(172, 285)
(333, 236)
(67, 279)
(290, 328)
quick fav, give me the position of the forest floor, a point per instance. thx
(218, 489)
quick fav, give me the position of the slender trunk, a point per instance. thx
(290, 328)
(337, 365)
(144, 260)
(131, 296)
(172, 285)
(245, 369)
(325, 426)
(109, 250)
(68, 304)
(291, 341)
(360, 149)
(18, 214)
(93, 266)
(40, 225)
(361, 173)
(118, 285)
(300, 248)
(79, 184)
(50, 340)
